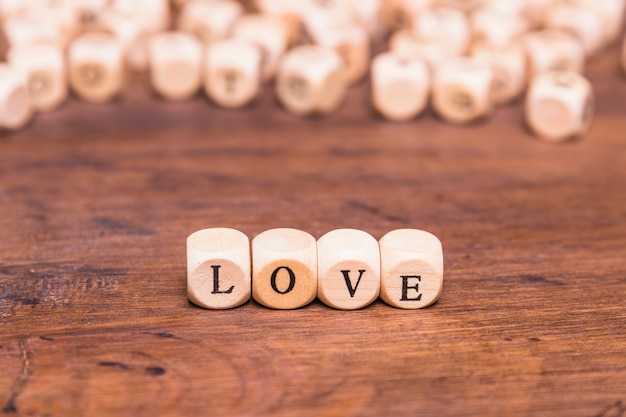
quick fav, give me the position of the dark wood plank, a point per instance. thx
(97, 201)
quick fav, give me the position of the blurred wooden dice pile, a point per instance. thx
(463, 57)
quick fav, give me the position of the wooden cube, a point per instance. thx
(408, 44)
(45, 71)
(232, 72)
(496, 28)
(466, 6)
(445, 25)
(96, 67)
(586, 26)
(348, 269)
(153, 14)
(34, 27)
(270, 33)
(133, 34)
(284, 268)
(352, 44)
(400, 86)
(461, 90)
(396, 15)
(175, 65)
(15, 106)
(411, 263)
(311, 79)
(553, 49)
(508, 63)
(559, 105)
(209, 20)
(218, 268)
(610, 12)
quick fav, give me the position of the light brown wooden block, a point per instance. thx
(610, 12)
(45, 71)
(209, 20)
(559, 105)
(15, 106)
(175, 65)
(270, 33)
(553, 49)
(154, 15)
(12, 8)
(444, 25)
(348, 269)
(508, 63)
(218, 268)
(367, 13)
(400, 86)
(495, 28)
(96, 67)
(352, 44)
(406, 43)
(284, 268)
(311, 79)
(466, 6)
(133, 33)
(396, 15)
(232, 72)
(461, 90)
(586, 26)
(411, 268)
(33, 27)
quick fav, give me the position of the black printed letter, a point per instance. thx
(346, 276)
(405, 288)
(292, 280)
(216, 281)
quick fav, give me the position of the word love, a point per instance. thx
(346, 269)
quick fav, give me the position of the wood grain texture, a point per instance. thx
(97, 201)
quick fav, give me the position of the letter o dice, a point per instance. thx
(348, 269)
(284, 268)
(559, 105)
(411, 263)
(218, 268)
(311, 80)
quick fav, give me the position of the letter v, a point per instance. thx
(346, 276)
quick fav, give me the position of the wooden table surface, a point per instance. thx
(96, 202)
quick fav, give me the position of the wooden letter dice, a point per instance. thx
(218, 268)
(559, 105)
(175, 65)
(352, 44)
(400, 86)
(209, 20)
(348, 269)
(411, 268)
(270, 33)
(586, 26)
(553, 49)
(462, 90)
(232, 72)
(44, 67)
(284, 268)
(311, 80)
(508, 63)
(15, 106)
(96, 67)
(445, 25)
